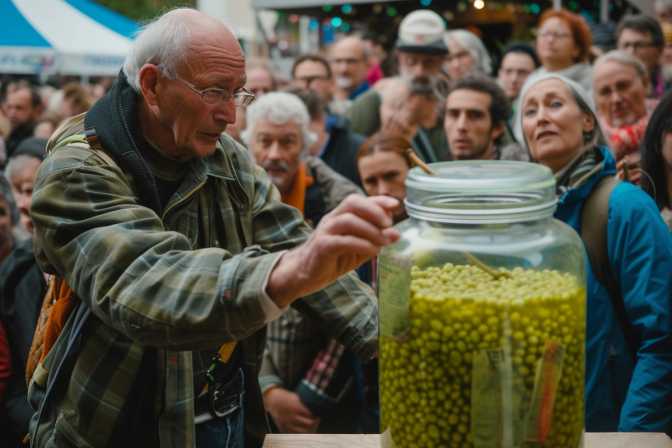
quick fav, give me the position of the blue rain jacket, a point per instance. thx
(622, 393)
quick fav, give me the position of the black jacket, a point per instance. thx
(22, 290)
(341, 152)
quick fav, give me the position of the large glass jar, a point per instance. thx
(482, 313)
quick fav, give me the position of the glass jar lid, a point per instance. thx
(481, 191)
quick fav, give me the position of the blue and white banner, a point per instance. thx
(72, 37)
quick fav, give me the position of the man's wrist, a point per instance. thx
(285, 282)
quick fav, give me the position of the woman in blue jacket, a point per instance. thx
(625, 391)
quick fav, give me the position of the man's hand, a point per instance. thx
(345, 238)
(289, 413)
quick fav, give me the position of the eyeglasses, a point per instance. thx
(431, 63)
(213, 97)
(635, 45)
(348, 61)
(557, 34)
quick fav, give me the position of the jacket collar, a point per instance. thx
(581, 192)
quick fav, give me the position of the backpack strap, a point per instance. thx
(88, 141)
(594, 220)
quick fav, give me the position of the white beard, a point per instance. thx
(343, 83)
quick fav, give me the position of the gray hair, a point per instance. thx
(6, 193)
(666, 4)
(623, 58)
(585, 102)
(163, 41)
(474, 45)
(279, 108)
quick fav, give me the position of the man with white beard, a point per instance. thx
(420, 52)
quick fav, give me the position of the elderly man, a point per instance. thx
(181, 252)
(476, 113)
(350, 65)
(420, 51)
(300, 391)
(642, 37)
(621, 84)
(23, 108)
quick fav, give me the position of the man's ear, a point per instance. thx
(497, 130)
(149, 79)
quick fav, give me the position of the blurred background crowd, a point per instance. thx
(342, 91)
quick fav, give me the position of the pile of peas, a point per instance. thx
(426, 379)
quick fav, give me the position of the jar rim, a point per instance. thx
(479, 191)
(481, 174)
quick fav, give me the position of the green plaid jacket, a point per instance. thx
(163, 286)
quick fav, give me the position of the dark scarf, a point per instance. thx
(581, 170)
(116, 122)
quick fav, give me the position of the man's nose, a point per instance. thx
(274, 152)
(383, 188)
(226, 111)
(462, 121)
(23, 202)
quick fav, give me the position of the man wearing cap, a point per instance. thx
(420, 51)
(518, 61)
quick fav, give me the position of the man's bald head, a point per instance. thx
(175, 38)
(180, 65)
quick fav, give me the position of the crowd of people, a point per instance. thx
(589, 103)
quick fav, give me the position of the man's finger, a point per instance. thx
(374, 209)
(351, 224)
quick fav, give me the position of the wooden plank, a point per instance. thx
(593, 440)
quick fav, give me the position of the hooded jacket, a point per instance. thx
(162, 282)
(622, 393)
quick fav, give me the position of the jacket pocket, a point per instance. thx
(64, 435)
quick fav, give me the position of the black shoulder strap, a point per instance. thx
(594, 220)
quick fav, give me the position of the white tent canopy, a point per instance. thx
(72, 37)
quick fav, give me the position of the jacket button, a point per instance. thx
(61, 417)
(54, 438)
(242, 208)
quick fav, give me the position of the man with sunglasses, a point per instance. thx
(642, 37)
(181, 252)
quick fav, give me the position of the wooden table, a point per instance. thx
(593, 440)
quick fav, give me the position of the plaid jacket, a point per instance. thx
(162, 286)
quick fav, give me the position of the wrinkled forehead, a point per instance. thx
(547, 88)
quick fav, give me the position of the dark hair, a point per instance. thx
(310, 98)
(522, 48)
(35, 99)
(643, 24)
(311, 57)
(580, 29)
(500, 106)
(385, 141)
(652, 152)
(8, 196)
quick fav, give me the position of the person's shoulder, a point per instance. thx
(331, 183)
(370, 98)
(632, 206)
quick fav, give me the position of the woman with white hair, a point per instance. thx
(629, 288)
(466, 54)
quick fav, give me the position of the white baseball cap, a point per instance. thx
(422, 32)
